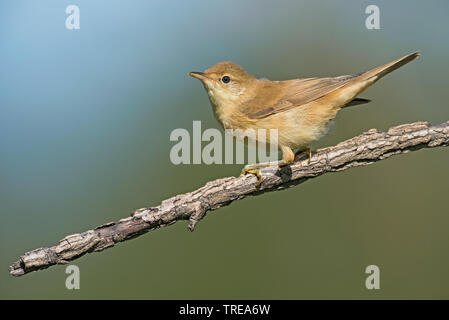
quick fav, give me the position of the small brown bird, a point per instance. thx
(299, 109)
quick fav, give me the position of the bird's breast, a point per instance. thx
(224, 111)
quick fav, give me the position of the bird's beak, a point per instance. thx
(198, 75)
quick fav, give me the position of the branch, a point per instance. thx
(364, 149)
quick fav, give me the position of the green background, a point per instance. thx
(85, 119)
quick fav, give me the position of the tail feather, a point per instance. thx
(344, 96)
(381, 71)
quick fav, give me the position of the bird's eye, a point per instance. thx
(225, 79)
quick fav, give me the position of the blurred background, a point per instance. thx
(85, 119)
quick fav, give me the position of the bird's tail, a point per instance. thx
(345, 95)
(381, 71)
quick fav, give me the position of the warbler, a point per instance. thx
(300, 109)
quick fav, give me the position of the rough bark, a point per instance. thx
(364, 149)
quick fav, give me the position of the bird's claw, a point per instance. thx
(308, 152)
(255, 172)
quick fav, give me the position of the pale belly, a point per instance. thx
(296, 128)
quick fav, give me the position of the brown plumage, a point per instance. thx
(299, 109)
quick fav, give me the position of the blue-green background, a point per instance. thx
(85, 118)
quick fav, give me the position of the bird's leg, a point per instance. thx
(309, 153)
(287, 158)
(254, 169)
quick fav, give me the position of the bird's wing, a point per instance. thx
(298, 92)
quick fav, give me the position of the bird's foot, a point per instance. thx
(309, 153)
(255, 170)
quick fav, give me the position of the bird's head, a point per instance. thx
(225, 82)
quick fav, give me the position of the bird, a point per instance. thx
(299, 109)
